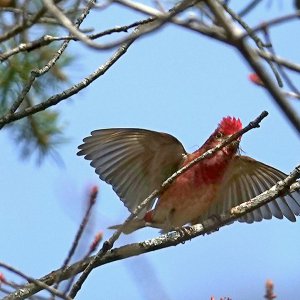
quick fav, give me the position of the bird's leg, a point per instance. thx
(183, 231)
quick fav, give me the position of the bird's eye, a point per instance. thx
(219, 135)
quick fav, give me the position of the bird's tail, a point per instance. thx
(133, 225)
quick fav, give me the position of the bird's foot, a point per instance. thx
(184, 232)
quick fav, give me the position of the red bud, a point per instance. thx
(93, 194)
(255, 79)
(269, 290)
(2, 278)
(96, 241)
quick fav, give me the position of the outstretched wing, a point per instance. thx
(133, 161)
(247, 178)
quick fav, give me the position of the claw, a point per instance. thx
(185, 231)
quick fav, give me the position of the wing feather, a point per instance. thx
(133, 161)
(247, 178)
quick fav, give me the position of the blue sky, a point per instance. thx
(172, 81)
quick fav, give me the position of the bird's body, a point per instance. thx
(137, 161)
(181, 204)
(191, 194)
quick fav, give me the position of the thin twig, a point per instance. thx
(83, 224)
(38, 283)
(279, 60)
(275, 21)
(27, 14)
(47, 39)
(214, 32)
(37, 73)
(10, 117)
(160, 20)
(260, 45)
(273, 90)
(65, 21)
(253, 60)
(31, 20)
(281, 70)
(249, 7)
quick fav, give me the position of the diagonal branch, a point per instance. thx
(166, 240)
(277, 95)
(279, 60)
(31, 20)
(42, 285)
(157, 23)
(48, 39)
(55, 99)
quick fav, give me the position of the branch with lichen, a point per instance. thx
(163, 241)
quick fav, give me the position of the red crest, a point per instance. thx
(230, 125)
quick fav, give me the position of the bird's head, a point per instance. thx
(227, 127)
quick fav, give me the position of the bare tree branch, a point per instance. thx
(165, 240)
(92, 200)
(40, 284)
(48, 39)
(253, 60)
(37, 73)
(158, 22)
(31, 20)
(66, 22)
(55, 99)
(280, 61)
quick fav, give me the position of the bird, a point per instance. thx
(137, 161)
